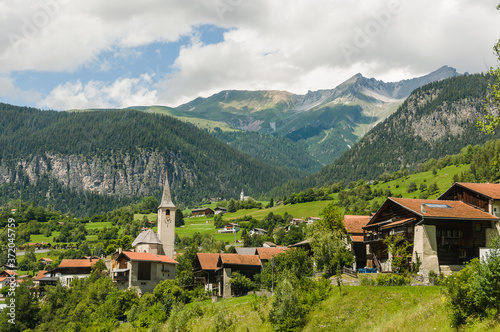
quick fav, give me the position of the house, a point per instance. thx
(445, 233)
(354, 227)
(46, 261)
(312, 220)
(266, 254)
(230, 228)
(296, 221)
(268, 244)
(247, 265)
(141, 270)
(220, 210)
(485, 196)
(8, 273)
(202, 212)
(4, 281)
(42, 280)
(70, 269)
(257, 231)
(205, 267)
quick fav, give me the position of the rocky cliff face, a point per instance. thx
(116, 175)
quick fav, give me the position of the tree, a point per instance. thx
(287, 313)
(179, 218)
(241, 284)
(492, 119)
(231, 206)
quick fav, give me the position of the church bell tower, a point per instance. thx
(166, 221)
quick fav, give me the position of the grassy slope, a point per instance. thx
(360, 308)
(39, 238)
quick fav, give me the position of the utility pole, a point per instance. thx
(272, 276)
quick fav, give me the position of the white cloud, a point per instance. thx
(123, 92)
(295, 46)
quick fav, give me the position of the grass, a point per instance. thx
(358, 308)
(39, 238)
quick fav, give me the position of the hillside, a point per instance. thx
(436, 120)
(358, 308)
(122, 154)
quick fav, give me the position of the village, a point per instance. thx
(444, 234)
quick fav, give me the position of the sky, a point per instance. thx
(75, 54)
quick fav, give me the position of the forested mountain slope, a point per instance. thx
(124, 154)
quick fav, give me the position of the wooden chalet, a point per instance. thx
(247, 265)
(220, 210)
(354, 226)
(485, 196)
(205, 268)
(257, 231)
(230, 228)
(202, 212)
(70, 269)
(444, 233)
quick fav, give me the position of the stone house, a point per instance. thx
(141, 270)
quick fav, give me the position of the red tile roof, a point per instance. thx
(236, 259)
(40, 275)
(457, 209)
(9, 272)
(208, 261)
(148, 257)
(2, 278)
(268, 253)
(491, 190)
(354, 224)
(47, 259)
(78, 262)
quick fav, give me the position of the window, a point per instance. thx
(438, 206)
(449, 233)
(167, 212)
(144, 272)
(462, 253)
(478, 227)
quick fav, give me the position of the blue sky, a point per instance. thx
(62, 54)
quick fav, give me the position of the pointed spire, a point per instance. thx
(166, 199)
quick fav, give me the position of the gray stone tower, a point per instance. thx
(166, 221)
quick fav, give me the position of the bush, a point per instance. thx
(385, 279)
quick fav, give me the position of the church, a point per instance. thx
(151, 260)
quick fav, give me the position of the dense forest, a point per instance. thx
(275, 150)
(122, 153)
(437, 119)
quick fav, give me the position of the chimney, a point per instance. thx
(120, 250)
(422, 208)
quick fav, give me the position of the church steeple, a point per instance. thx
(166, 198)
(166, 223)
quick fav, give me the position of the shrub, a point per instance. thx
(384, 279)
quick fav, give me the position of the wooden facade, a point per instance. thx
(458, 229)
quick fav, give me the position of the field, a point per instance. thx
(39, 238)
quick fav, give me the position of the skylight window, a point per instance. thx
(438, 206)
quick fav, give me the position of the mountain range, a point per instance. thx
(328, 122)
(436, 120)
